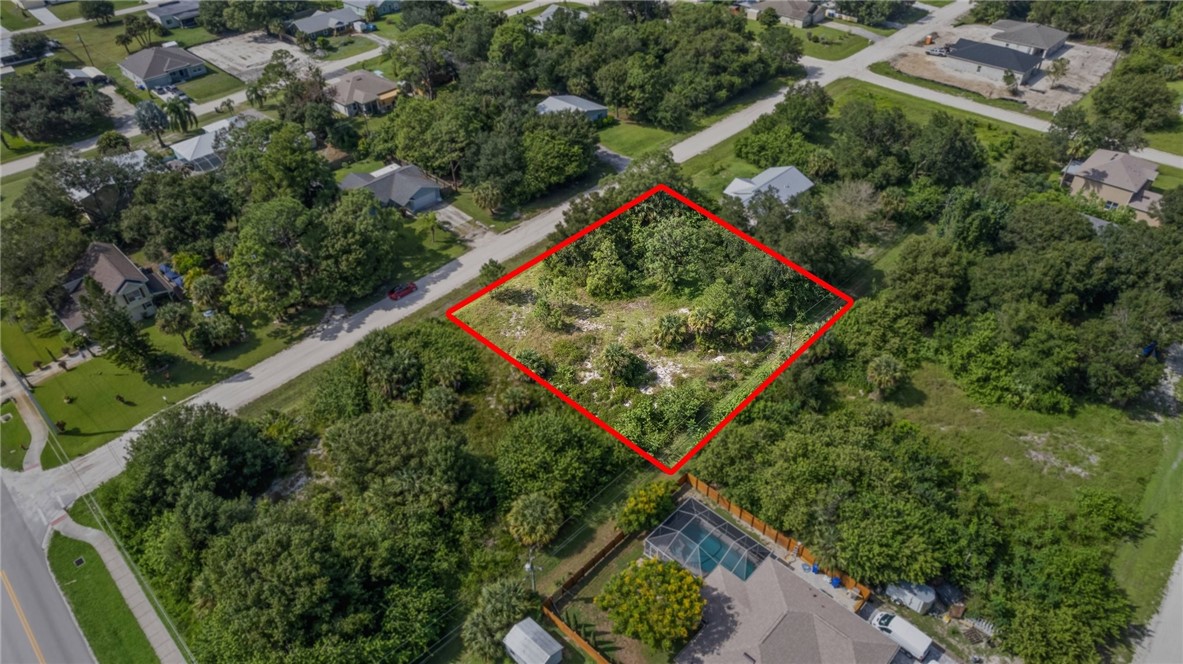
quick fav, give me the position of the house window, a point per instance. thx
(1110, 205)
(133, 296)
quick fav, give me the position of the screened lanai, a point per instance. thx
(700, 540)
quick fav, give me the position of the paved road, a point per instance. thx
(1164, 641)
(36, 626)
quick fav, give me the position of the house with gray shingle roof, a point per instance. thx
(559, 103)
(776, 617)
(162, 65)
(992, 61)
(325, 24)
(404, 186)
(1030, 38)
(783, 182)
(547, 14)
(119, 277)
(177, 14)
(363, 92)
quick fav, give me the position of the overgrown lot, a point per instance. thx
(660, 322)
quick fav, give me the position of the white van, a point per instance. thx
(909, 637)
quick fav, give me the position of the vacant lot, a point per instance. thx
(244, 56)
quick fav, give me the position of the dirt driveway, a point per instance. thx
(1087, 65)
(244, 56)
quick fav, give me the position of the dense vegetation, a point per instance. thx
(665, 65)
(42, 105)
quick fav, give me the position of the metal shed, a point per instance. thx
(528, 643)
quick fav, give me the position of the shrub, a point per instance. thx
(671, 331)
(656, 602)
(646, 507)
(535, 362)
(617, 363)
(442, 403)
(515, 400)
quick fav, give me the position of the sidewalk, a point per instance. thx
(38, 429)
(129, 586)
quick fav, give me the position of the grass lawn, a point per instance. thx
(11, 187)
(94, 417)
(1034, 460)
(831, 45)
(105, 619)
(21, 347)
(349, 46)
(1168, 178)
(72, 10)
(13, 17)
(213, 85)
(498, 5)
(884, 68)
(877, 29)
(715, 168)
(632, 140)
(15, 439)
(389, 26)
(1170, 140)
(363, 166)
(574, 6)
(939, 3)
(19, 147)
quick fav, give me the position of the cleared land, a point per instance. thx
(609, 353)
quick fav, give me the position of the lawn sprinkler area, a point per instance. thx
(660, 322)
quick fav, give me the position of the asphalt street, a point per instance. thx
(36, 626)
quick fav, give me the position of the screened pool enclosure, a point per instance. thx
(700, 540)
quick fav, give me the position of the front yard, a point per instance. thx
(348, 46)
(68, 11)
(93, 416)
(14, 439)
(213, 85)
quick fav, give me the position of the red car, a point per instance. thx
(402, 290)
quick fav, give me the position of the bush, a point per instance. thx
(618, 364)
(442, 403)
(535, 362)
(671, 331)
(646, 507)
(656, 602)
(214, 332)
(515, 400)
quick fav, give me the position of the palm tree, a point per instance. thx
(255, 95)
(534, 520)
(884, 373)
(488, 196)
(180, 116)
(124, 40)
(1057, 71)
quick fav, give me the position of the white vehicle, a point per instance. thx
(909, 637)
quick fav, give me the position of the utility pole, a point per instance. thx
(532, 568)
(85, 48)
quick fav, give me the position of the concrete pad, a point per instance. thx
(244, 56)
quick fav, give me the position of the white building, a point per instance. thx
(784, 182)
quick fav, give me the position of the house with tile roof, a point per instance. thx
(1031, 38)
(1117, 178)
(363, 92)
(162, 65)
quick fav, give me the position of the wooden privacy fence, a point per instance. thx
(788, 543)
(572, 635)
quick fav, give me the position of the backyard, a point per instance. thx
(14, 439)
(102, 614)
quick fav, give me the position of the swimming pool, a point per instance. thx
(700, 540)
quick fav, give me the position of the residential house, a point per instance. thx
(203, 153)
(783, 182)
(1030, 38)
(325, 24)
(104, 195)
(798, 13)
(87, 76)
(528, 643)
(547, 14)
(384, 6)
(162, 65)
(173, 15)
(133, 288)
(9, 55)
(1118, 179)
(559, 103)
(759, 609)
(365, 93)
(404, 186)
(992, 61)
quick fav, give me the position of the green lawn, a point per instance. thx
(715, 168)
(19, 147)
(22, 347)
(214, 85)
(1026, 456)
(498, 5)
(94, 417)
(15, 439)
(363, 166)
(13, 17)
(11, 187)
(71, 10)
(831, 45)
(884, 68)
(349, 46)
(632, 139)
(105, 619)
(877, 29)
(1168, 178)
(389, 26)
(574, 6)
(939, 3)
(1170, 140)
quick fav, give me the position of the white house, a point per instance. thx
(784, 182)
(559, 103)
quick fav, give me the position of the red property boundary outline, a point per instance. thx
(670, 470)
